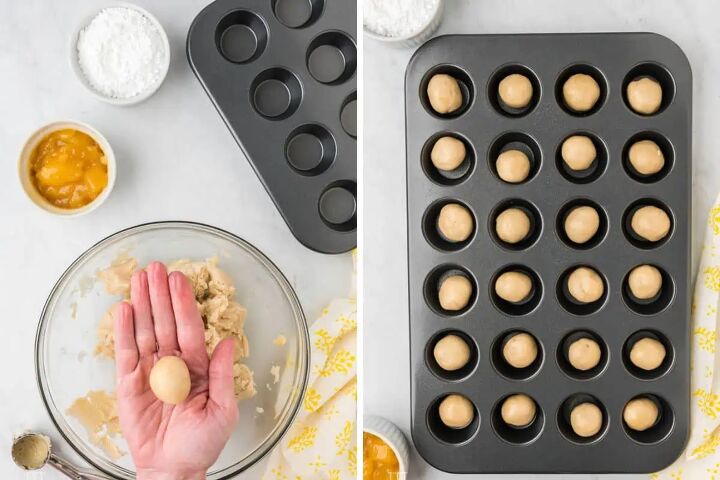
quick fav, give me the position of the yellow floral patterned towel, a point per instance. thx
(702, 454)
(321, 444)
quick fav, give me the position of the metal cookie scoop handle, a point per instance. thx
(56, 462)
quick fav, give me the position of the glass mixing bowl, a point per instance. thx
(66, 338)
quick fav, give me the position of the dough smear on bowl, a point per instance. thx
(451, 352)
(444, 93)
(455, 222)
(513, 166)
(644, 94)
(455, 292)
(448, 153)
(581, 92)
(456, 411)
(515, 91)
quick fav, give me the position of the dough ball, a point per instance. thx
(645, 281)
(647, 353)
(520, 350)
(455, 222)
(650, 223)
(455, 292)
(515, 91)
(644, 95)
(170, 380)
(513, 166)
(512, 225)
(456, 411)
(582, 223)
(646, 157)
(586, 419)
(585, 285)
(448, 153)
(513, 286)
(518, 410)
(444, 93)
(584, 354)
(578, 152)
(451, 353)
(640, 414)
(581, 92)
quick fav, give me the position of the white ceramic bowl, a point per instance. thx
(390, 434)
(414, 39)
(75, 64)
(26, 180)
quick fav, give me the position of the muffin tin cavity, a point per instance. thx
(514, 434)
(310, 149)
(452, 375)
(501, 365)
(533, 214)
(348, 115)
(442, 432)
(573, 305)
(297, 13)
(584, 69)
(666, 148)
(338, 205)
(563, 418)
(465, 83)
(657, 303)
(276, 93)
(494, 84)
(447, 177)
(331, 58)
(527, 304)
(515, 141)
(432, 231)
(662, 426)
(241, 36)
(434, 281)
(590, 174)
(569, 207)
(641, 373)
(564, 359)
(632, 236)
(656, 72)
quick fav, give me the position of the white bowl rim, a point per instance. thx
(410, 36)
(75, 64)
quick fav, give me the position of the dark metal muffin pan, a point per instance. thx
(549, 445)
(281, 73)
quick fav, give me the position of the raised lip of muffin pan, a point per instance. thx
(318, 201)
(615, 320)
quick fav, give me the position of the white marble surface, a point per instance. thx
(176, 160)
(693, 25)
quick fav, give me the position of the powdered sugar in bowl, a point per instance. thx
(120, 53)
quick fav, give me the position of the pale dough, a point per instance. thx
(582, 223)
(170, 380)
(650, 223)
(455, 222)
(578, 152)
(448, 153)
(645, 95)
(451, 352)
(31, 451)
(513, 166)
(585, 285)
(456, 411)
(515, 91)
(97, 413)
(513, 287)
(640, 414)
(647, 353)
(586, 419)
(455, 292)
(584, 354)
(520, 350)
(646, 157)
(444, 93)
(581, 92)
(512, 225)
(645, 281)
(518, 410)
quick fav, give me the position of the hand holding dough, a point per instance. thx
(647, 353)
(520, 350)
(455, 222)
(644, 95)
(451, 353)
(650, 223)
(646, 157)
(170, 380)
(513, 287)
(641, 414)
(513, 166)
(518, 410)
(581, 92)
(645, 281)
(455, 292)
(586, 419)
(515, 91)
(585, 285)
(512, 225)
(581, 224)
(448, 153)
(456, 411)
(578, 152)
(444, 93)
(584, 354)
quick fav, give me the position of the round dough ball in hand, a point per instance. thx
(518, 410)
(581, 92)
(170, 380)
(513, 287)
(455, 222)
(456, 411)
(647, 353)
(581, 224)
(448, 153)
(650, 223)
(513, 166)
(640, 414)
(584, 354)
(585, 285)
(455, 292)
(451, 353)
(646, 157)
(512, 225)
(586, 419)
(520, 350)
(444, 93)
(578, 152)
(644, 95)
(645, 281)
(515, 91)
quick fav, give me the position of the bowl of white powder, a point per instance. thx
(120, 53)
(401, 23)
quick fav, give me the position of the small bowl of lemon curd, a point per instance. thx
(67, 168)
(385, 450)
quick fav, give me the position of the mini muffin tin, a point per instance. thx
(615, 321)
(281, 73)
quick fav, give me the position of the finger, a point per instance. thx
(222, 386)
(126, 352)
(189, 323)
(142, 311)
(162, 310)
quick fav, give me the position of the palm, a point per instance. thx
(186, 438)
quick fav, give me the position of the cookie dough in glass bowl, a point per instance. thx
(68, 368)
